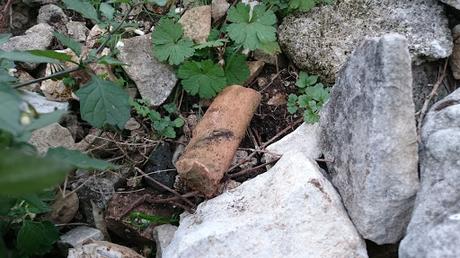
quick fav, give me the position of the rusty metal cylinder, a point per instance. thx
(216, 138)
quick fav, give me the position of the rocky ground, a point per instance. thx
(377, 176)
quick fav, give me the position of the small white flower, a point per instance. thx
(178, 10)
(119, 44)
(25, 119)
(11, 71)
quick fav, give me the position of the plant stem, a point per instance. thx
(51, 76)
(109, 36)
(83, 65)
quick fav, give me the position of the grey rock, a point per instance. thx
(51, 14)
(93, 191)
(305, 139)
(39, 36)
(51, 136)
(321, 40)
(219, 9)
(369, 135)
(41, 104)
(77, 30)
(102, 249)
(79, 236)
(289, 211)
(453, 3)
(163, 235)
(154, 80)
(434, 230)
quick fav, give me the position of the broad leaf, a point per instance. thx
(20, 173)
(103, 103)
(107, 10)
(236, 69)
(26, 57)
(168, 44)
(4, 37)
(36, 238)
(68, 42)
(52, 54)
(77, 159)
(36, 205)
(85, 8)
(108, 60)
(203, 78)
(5, 77)
(251, 31)
(302, 5)
(9, 110)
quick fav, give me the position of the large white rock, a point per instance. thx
(289, 211)
(305, 139)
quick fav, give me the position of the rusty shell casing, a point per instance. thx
(216, 138)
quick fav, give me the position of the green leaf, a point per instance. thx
(203, 78)
(36, 205)
(4, 37)
(5, 77)
(236, 69)
(85, 8)
(310, 117)
(107, 10)
(249, 31)
(168, 44)
(77, 159)
(103, 103)
(20, 173)
(210, 44)
(317, 92)
(170, 108)
(108, 60)
(302, 5)
(68, 42)
(9, 110)
(28, 57)
(270, 47)
(52, 54)
(36, 238)
(45, 120)
(178, 122)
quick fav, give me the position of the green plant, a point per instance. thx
(204, 78)
(310, 98)
(169, 43)
(285, 7)
(251, 26)
(142, 220)
(163, 125)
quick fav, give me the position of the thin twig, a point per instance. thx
(51, 76)
(430, 97)
(165, 187)
(249, 170)
(82, 66)
(280, 133)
